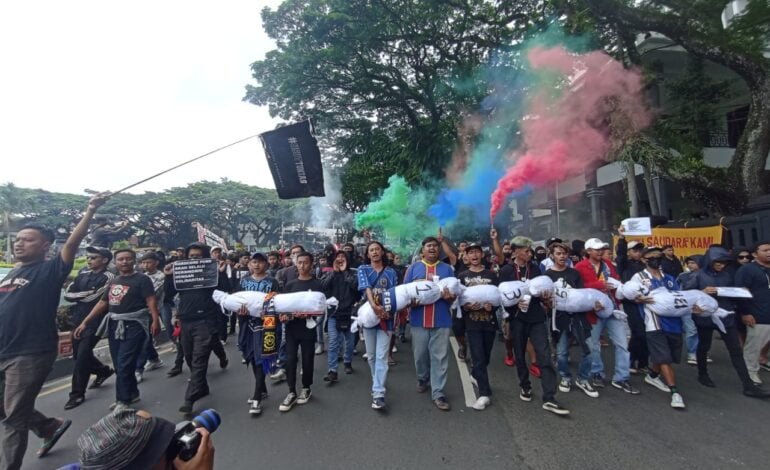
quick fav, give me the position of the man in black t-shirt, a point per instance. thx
(29, 297)
(480, 323)
(300, 333)
(568, 325)
(132, 315)
(86, 290)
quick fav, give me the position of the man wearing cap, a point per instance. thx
(664, 334)
(29, 297)
(85, 291)
(430, 325)
(131, 439)
(629, 262)
(595, 272)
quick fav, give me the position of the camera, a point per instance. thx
(187, 439)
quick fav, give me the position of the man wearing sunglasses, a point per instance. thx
(85, 291)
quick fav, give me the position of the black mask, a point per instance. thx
(539, 256)
(654, 263)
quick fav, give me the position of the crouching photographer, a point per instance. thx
(136, 440)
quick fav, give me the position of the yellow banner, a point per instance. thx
(686, 241)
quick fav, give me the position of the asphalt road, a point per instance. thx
(337, 429)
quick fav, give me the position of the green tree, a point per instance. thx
(383, 79)
(696, 25)
(14, 202)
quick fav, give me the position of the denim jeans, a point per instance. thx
(336, 338)
(21, 379)
(431, 357)
(148, 353)
(319, 329)
(377, 346)
(617, 332)
(577, 331)
(690, 334)
(124, 354)
(480, 345)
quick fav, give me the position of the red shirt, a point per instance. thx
(595, 280)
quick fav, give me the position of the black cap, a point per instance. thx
(150, 255)
(553, 240)
(107, 254)
(651, 249)
(474, 246)
(259, 257)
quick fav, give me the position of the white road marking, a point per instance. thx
(465, 376)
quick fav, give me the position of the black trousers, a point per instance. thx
(85, 362)
(537, 333)
(260, 386)
(293, 345)
(637, 345)
(480, 344)
(733, 345)
(198, 338)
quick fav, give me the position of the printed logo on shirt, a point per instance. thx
(10, 285)
(117, 293)
(476, 281)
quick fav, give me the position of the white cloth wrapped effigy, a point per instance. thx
(511, 292)
(481, 294)
(585, 300)
(307, 303)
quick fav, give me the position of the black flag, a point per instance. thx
(295, 161)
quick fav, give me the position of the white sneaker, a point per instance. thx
(365, 356)
(692, 360)
(657, 382)
(139, 376)
(565, 385)
(754, 376)
(279, 375)
(677, 401)
(304, 396)
(255, 408)
(319, 349)
(586, 387)
(482, 403)
(152, 365)
(394, 350)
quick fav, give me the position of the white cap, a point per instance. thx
(595, 244)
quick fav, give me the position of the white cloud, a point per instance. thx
(97, 94)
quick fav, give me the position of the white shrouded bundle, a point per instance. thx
(680, 303)
(540, 286)
(421, 292)
(308, 303)
(613, 283)
(585, 300)
(481, 294)
(511, 292)
(631, 290)
(452, 284)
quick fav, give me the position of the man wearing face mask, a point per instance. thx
(664, 334)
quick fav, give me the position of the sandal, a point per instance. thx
(51, 441)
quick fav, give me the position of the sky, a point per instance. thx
(101, 94)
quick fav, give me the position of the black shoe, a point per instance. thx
(74, 402)
(597, 381)
(754, 391)
(402, 338)
(526, 394)
(174, 372)
(348, 368)
(331, 376)
(706, 381)
(99, 380)
(223, 363)
(423, 387)
(442, 404)
(186, 407)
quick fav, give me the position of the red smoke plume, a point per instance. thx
(564, 137)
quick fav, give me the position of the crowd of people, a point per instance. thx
(131, 299)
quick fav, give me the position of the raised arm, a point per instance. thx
(70, 248)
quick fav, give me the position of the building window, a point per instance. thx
(736, 123)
